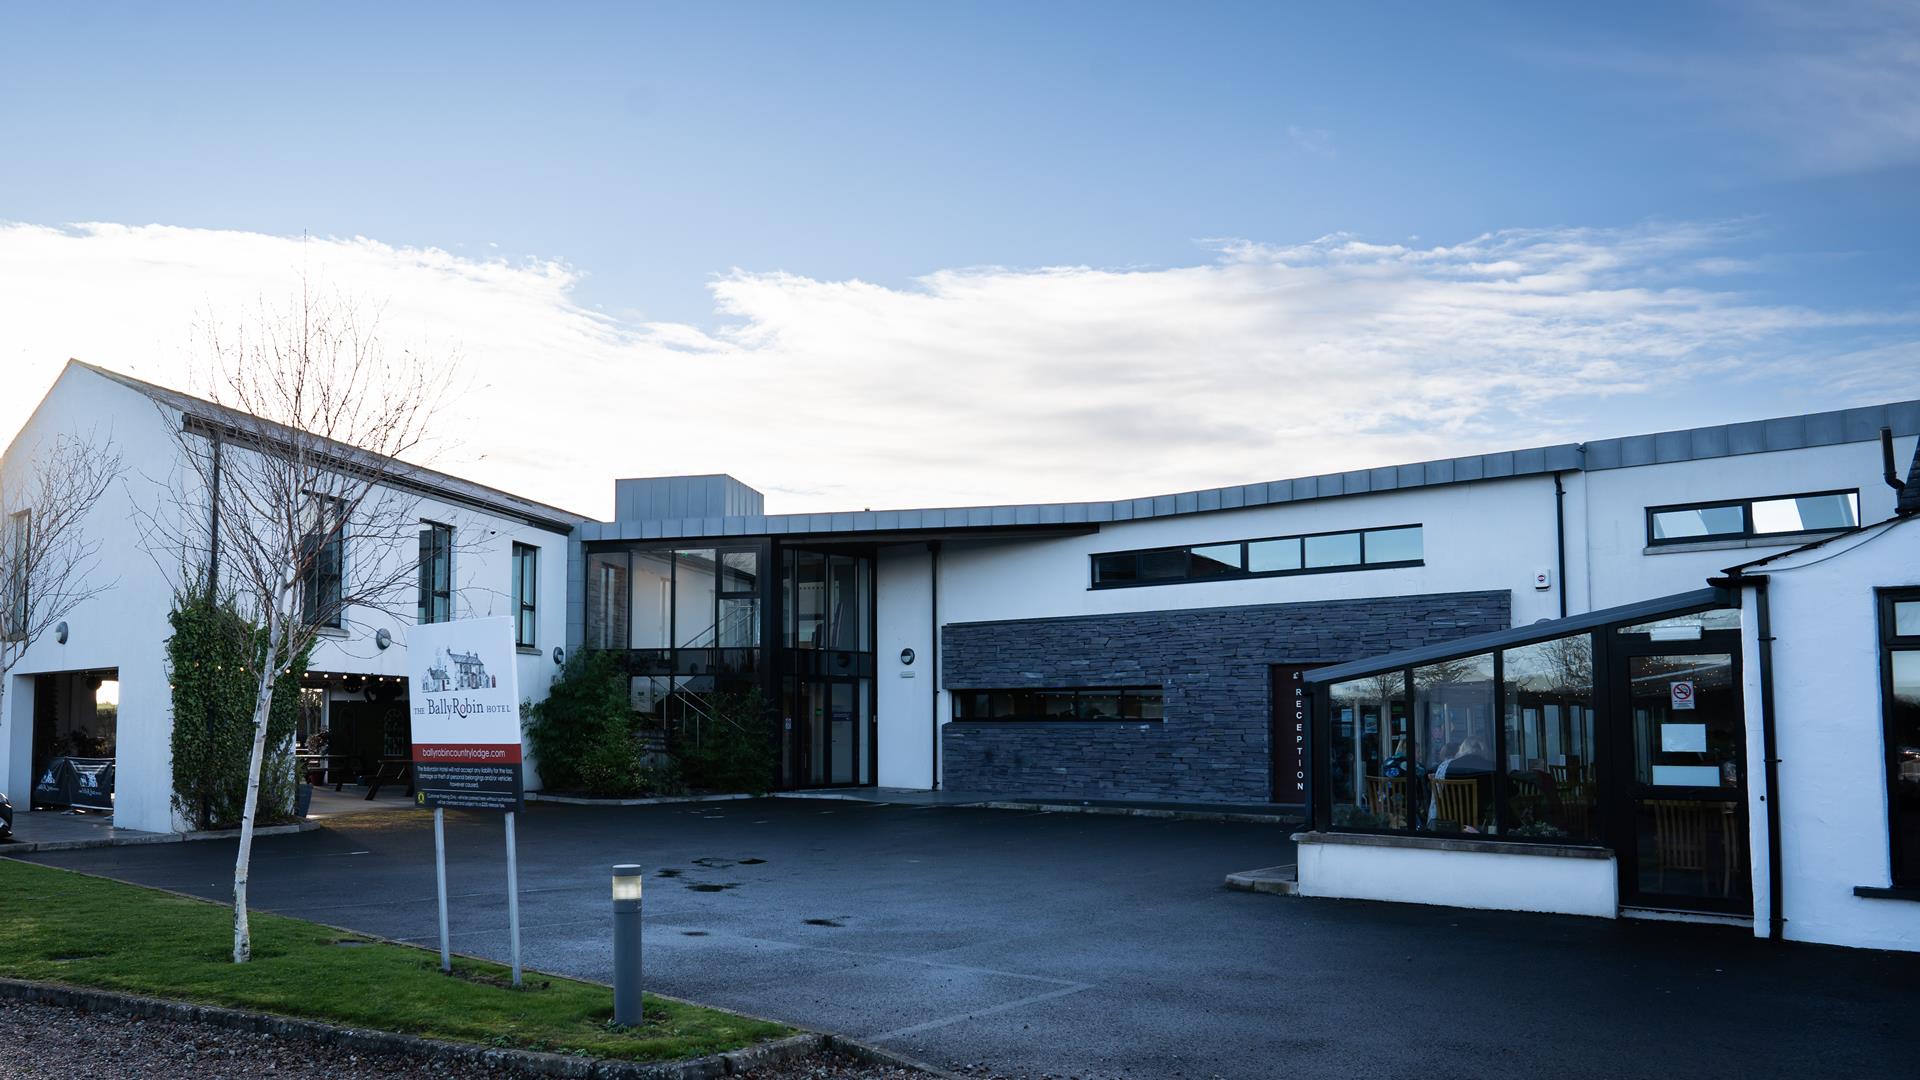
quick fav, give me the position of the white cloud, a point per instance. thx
(995, 384)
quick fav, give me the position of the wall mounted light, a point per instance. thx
(559, 655)
(383, 637)
(60, 633)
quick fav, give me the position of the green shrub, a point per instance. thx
(583, 733)
(733, 751)
(213, 659)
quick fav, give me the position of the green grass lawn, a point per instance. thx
(63, 927)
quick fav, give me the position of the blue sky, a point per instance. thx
(656, 152)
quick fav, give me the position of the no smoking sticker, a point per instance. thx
(1681, 693)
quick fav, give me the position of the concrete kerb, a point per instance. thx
(1146, 812)
(28, 847)
(654, 800)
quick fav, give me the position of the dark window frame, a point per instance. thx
(315, 576)
(1188, 577)
(1747, 531)
(428, 610)
(961, 695)
(526, 595)
(1891, 642)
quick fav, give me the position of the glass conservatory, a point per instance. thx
(1621, 730)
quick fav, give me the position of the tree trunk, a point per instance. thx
(262, 708)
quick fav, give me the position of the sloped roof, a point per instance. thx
(1861, 424)
(419, 479)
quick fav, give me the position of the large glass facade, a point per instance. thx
(696, 619)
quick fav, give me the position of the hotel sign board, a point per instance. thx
(464, 697)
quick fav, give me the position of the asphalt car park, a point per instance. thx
(1080, 945)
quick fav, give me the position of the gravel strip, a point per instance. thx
(52, 1042)
(48, 1042)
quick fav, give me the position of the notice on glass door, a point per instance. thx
(1680, 693)
(1683, 738)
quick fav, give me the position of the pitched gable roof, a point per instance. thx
(423, 481)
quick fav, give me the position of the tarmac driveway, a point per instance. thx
(1082, 945)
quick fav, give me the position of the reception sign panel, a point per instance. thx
(465, 700)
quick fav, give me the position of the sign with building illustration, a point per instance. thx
(465, 704)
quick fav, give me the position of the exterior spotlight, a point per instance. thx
(627, 1011)
(559, 655)
(60, 633)
(383, 637)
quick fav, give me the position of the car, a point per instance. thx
(6, 817)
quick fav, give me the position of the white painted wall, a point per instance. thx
(1615, 502)
(1468, 879)
(1490, 535)
(123, 628)
(126, 627)
(1829, 730)
(905, 704)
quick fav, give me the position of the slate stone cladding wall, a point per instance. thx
(1213, 664)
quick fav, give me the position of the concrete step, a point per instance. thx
(1283, 880)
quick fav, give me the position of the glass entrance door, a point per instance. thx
(826, 741)
(1685, 828)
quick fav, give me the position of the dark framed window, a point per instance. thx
(1738, 519)
(16, 554)
(526, 593)
(1900, 697)
(1124, 704)
(323, 542)
(1276, 556)
(436, 572)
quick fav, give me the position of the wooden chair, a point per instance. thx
(1680, 832)
(1457, 801)
(1576, 807)
(1387, 795)
(1559, 773)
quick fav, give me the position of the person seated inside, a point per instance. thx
(1469, 762)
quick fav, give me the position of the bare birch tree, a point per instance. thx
(48, 560)
(306, 511)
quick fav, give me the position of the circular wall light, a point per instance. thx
(383, 637)
(906, 657)
(559, 655)
(60, 633)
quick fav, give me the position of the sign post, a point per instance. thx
(465, 705)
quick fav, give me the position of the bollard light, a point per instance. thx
(627, 1011)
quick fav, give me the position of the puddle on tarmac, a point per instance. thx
(825, 922)
(702, 886)
(670, 872)
(693, 933)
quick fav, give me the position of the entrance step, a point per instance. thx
(1283, 880)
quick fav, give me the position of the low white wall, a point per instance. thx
(1468, 879)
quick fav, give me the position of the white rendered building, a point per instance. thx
(1212, 647)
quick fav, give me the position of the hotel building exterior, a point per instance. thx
(1565, 675)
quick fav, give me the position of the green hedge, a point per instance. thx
(213, 659)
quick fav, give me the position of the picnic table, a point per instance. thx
(390, 770)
